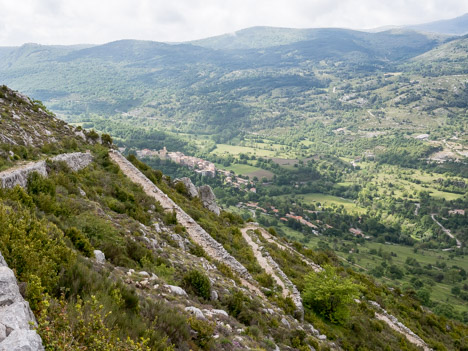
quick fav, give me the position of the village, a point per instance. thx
(200, 166)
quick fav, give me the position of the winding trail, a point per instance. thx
(399, 327)
(262, 261)
(445, 230)
(271, 267)
(213, 248)
(272, 240)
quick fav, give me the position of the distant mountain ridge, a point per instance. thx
(453, 26)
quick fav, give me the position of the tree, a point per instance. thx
(328, 294)
(106, 140)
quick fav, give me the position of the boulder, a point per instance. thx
(179, 240)
(191, 189)
(100, 257)
(221, 312)
(176, 290)
(196, 312)
(16, 318)
(208, 199)
(9, 290)
(22, 340)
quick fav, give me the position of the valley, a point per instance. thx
(233, 184)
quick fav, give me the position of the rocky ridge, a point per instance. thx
(16, 318)
(28, 123)
(196, 232)
(19, 175)
(204, 192)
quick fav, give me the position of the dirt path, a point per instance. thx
(213, 248)
(272, 268)
(272, 240)
(445, 230)
(263, 262)
(393, 323)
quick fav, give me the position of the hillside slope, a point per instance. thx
(151, 285)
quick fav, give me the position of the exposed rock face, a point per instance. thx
(191, 189)
(208, 199)
(100, 257)
(176, 290)
(395, 324)
(196, 312)
(19, 175)
(196, 232)
(75, 160)
(15, 316)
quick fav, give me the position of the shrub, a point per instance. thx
(87, 330)
(328, 293)
(170, 218)
(203, 333)
(198, 283)
(197, 250)
(80, 241)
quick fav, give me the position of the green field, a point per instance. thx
(400, 186)
(246, 170)
(440, 291)
(236, 150)
(329, 200)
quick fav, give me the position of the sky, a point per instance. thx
(99, 21)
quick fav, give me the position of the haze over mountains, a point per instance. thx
(68, 78)
(350, 146)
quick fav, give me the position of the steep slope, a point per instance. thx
(106, 263)
(447, 59)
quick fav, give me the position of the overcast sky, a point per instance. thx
(100, 21)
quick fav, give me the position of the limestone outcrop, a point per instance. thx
(196, 232)
(76, 160)
(16, 318)
(208, 199)
(191, 189)
(19, 175)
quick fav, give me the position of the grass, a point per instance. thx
(329, 200)
(261, 173)
(387, 175)
(440, 291)
(236, 150)
(239, 169)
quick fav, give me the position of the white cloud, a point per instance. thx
(91, 21)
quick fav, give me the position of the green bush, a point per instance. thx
(80, 241)
(198, 283)
(328, 294)
(170, 218)
(34, 248)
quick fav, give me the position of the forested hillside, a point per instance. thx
(348, 148)
(105, 266)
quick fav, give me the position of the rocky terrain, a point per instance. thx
(111, 254)
(17, 321)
